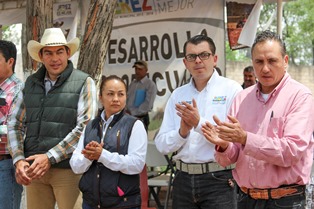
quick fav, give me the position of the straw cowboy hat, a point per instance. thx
(51, 37)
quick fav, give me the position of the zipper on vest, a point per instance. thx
(118, 141)
(98, 179)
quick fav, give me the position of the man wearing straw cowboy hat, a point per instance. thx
(52, 111)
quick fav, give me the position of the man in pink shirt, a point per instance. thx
(269, 133)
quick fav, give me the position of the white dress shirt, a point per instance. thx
(214, 99)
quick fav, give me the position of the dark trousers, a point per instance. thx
(296, 201)
(205, 191)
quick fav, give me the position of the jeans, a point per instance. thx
(290, 202)
(205, 191)
(10, 191)
(86, 206)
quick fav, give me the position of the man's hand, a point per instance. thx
(188, 113)
(184, 129)
(211, 134)
(21, 168)
(231, 132)
(39, 166)
(189, 117)
(93, 150)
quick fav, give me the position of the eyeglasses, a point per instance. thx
(202, 56)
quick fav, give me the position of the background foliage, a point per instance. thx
(298, 31)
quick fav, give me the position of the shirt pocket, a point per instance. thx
(220, 110)
(276, 127)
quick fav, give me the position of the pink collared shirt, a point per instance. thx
(279, 146)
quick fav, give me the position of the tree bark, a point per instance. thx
(39, 17)
(96, 37)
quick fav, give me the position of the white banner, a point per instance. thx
(155, 31)
(65, 16)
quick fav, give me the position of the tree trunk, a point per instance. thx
(39, 17)
(313, 52)
(96, 37)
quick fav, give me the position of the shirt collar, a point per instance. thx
(275, 91)
(210, 82)
(142, 80)
(6, 83)
(109, 120)
(48, 79)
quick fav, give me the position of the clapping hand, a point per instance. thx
(211, 133)
(92, 150)
(231, 131)
(189, 116)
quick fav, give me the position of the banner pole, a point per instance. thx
(279, 17)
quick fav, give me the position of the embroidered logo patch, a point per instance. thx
(219, 100)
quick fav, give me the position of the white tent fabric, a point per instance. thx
(247, 35)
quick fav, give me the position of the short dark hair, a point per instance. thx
(248, 69)
(198, 39)
(269, 35)
(8, 50)
(67, 49)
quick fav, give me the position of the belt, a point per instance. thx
(200, 168)
(5, 157)
(277, 193)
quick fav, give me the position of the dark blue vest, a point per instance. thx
(99, 184)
